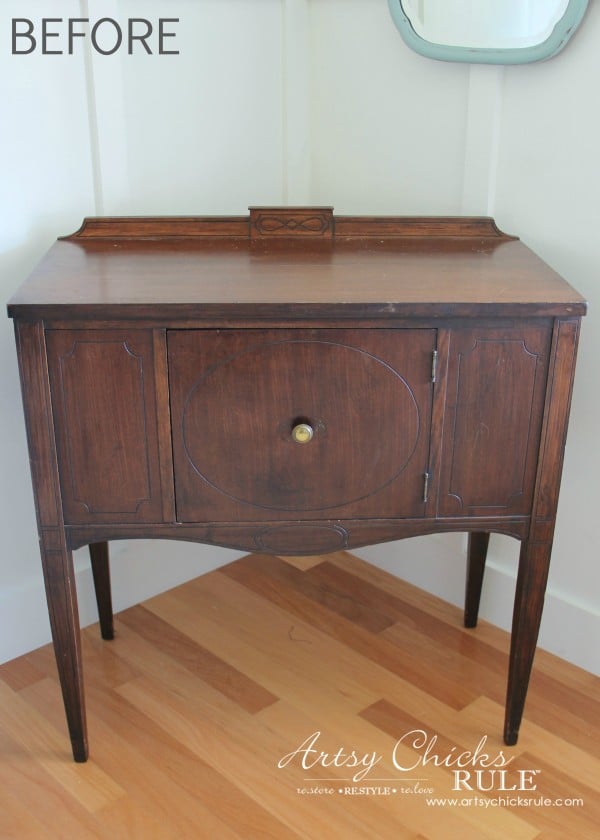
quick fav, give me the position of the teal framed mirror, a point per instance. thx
(487, 31)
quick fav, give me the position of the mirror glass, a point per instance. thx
(493, 31)
(490, 24)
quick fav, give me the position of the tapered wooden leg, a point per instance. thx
(61, 594)
(534, 562)
(101, 574)
(477, 553)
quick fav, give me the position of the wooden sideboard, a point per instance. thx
(294, 382)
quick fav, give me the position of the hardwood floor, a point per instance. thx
(207, 688)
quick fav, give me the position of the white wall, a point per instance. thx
(300, 101)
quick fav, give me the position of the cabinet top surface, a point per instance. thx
(279, 263)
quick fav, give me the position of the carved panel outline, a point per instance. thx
(145, 493)
(452, 491)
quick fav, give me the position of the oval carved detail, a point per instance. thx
(238, 418)
(302, 539)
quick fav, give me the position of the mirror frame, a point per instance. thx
(557, 39)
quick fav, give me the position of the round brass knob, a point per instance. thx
(302, 433)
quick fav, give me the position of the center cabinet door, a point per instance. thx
(361, 397)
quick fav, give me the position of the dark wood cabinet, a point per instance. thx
(294, 382)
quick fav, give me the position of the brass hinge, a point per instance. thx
(434, 362)
(425, 487)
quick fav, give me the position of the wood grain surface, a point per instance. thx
(207, 687)
(213, 268)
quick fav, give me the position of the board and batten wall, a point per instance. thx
(301, 102)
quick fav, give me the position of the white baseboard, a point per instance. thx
(438, 565)
(139, 570)
(142, 569)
